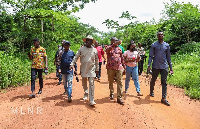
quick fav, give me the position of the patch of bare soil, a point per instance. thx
(52, 110)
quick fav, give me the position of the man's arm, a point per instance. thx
(75, 58)
(96, 61)
(151, 55)
(30, 55)
(169, 59)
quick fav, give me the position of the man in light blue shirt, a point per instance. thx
(160, 54)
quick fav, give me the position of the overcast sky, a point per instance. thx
(145, 10)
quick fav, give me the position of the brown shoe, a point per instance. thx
(139, 94)
(120, 101)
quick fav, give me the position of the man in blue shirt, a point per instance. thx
(66, 57)
(160, 54)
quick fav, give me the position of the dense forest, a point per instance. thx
(52, 21)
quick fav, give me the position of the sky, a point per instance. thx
(145, 10)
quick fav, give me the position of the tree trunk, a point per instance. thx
(24, 30)
(52, 25)
(42, 29)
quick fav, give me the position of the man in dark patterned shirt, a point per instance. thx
(115, 66)
(160, 54)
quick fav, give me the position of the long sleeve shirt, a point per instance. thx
(115, 59)
(89, 61)
(66, 58)
(160, 54)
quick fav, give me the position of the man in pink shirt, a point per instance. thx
(100, 55)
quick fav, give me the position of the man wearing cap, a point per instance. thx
(38, 56)
(115, 67)
(89, 67)
(66, 56)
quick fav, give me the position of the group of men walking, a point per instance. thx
(118, 64)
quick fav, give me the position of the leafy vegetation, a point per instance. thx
(51, 22)
(187, 72)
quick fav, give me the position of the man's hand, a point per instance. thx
(124, 72)
(59, 70)
(171, 71)
(71, 67)
(149, 68)
(75, 72)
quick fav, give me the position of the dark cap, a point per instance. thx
(36, 39)
(66, 42)
(114, 38)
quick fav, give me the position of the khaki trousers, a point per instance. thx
(111, 74)
(91, 87)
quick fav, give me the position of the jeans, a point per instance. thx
(34, 72)
(164, 73)
(67, 79)
(58, 75)
(134, 72)
(99, 74)
(140, 67)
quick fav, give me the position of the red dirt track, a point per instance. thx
(54, 111)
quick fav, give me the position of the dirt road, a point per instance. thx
(51, 109)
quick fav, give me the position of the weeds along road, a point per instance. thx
(52, 110)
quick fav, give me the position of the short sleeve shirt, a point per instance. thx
(129, 55)
(100, 52)
(38, 55)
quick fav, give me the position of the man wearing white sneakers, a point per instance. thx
(89, 67)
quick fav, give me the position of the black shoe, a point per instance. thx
(164, 101)
(151, 94)
(65, 93)
(40, 92)
(120, 101)
(69, 99)
(139, 94)
(111, 96)
(32, 96)
(58, 83)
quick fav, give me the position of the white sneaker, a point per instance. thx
(85, 98)
(92, 103)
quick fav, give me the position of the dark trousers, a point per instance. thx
(99, 74)
(164, 73)
(58, 75)
(140, 67)
(34, 73)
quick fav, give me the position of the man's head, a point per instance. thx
(62, 42)
(66, 45)
(131, 41)
(36, 42)
(120, 42)
(89, 41)
(131, 47)
(139, 45)
(114, 41)
(96, 44)
(160, 35)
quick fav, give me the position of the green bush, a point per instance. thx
(186, 68)
(13, 70)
